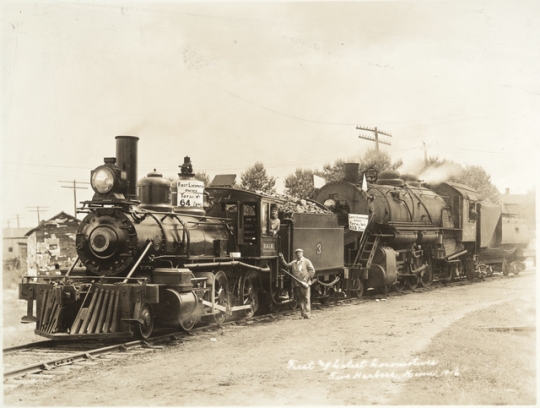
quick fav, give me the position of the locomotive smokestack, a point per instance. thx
(126, 159)
(351, 173)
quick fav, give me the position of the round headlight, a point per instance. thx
(103, 180)
(330, 204)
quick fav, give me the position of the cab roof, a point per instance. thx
(235, 194)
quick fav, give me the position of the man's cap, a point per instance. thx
(298, 250)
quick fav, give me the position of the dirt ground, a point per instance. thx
(347, 355)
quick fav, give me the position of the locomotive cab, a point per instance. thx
(249, 216)
(463, 203)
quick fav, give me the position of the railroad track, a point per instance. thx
(29, 363)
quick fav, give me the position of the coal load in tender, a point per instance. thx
(293, 205)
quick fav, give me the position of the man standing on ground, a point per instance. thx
(302, 269)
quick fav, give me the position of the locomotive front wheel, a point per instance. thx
(188, 323)
(221, 295)
(427, 277)
(470, 273)
(454, 273)
(399, 285)
(274, 307)
(517, 268)
(412, 282)
(145, 329)
(293, 305)
(489, 271)
(504, 267)
(357, 288)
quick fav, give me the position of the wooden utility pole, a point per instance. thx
(425, 153)
(376, 132)
(37, 210)
(18, 222)
(74, 187)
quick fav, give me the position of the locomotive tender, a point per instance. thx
(173, 255)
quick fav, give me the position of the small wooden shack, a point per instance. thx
(51, 245)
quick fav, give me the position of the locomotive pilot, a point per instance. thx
(302, 269)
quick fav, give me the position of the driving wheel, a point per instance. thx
(249, 293)
(221, 295)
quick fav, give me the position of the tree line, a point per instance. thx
(300, 184)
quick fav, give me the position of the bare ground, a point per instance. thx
(347, 355)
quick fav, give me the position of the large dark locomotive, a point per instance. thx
(399, 232)
(173, 255)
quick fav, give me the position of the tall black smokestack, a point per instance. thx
(351, 172)
(126, 159)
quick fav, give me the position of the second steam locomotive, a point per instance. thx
(156, 253)
(412, 234)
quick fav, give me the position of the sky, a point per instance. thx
(282, 83)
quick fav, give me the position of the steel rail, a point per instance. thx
(63, 361)
(84, 356)
(44, 343)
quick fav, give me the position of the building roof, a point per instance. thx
(513, 198)
(59, 218)
(223, 180)
(11, 233)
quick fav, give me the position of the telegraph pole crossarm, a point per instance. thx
(37, 209)
(18, 216)
(75, 188)
(376, 133)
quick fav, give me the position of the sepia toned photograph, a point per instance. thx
(218, 203)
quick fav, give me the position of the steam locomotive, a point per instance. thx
(399, 233)
(161, 254)
(175, 254)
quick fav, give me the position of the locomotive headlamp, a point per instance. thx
(109, 181)
(330, 204)
(371, 175)
(102, 180)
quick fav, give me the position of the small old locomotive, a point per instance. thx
(160, 254)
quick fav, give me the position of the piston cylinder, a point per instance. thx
(404, 237)
(426, 237)
(383, 270)
(177, 309)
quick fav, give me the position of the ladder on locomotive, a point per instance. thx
(367, 247)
